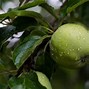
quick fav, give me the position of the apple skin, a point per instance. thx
(69, 45)
(43, 80)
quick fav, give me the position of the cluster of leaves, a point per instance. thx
(32, 51)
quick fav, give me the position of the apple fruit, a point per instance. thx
(69, 45)
(44, 81)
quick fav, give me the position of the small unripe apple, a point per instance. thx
(44, 81)
(70, 45)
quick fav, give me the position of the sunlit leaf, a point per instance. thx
(25, 81)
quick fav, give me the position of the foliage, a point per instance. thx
(32, 52)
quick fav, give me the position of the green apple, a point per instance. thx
(43, 80)
(70, 45)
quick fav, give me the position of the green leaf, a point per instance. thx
(0, 4)
(2, 67)
(70, 6)
(83, 13)
(31, 4)
(12, 14)
(5, 33)
(49, 9)
(45, 63)
(7, 67)
(22, 22)
(4, 81)
(43, 29)
(73, 7)
(27, 47)
(6, 64)
(25, 81)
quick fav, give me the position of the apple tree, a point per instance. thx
(53, 50)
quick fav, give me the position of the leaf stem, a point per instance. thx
(31, 4)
